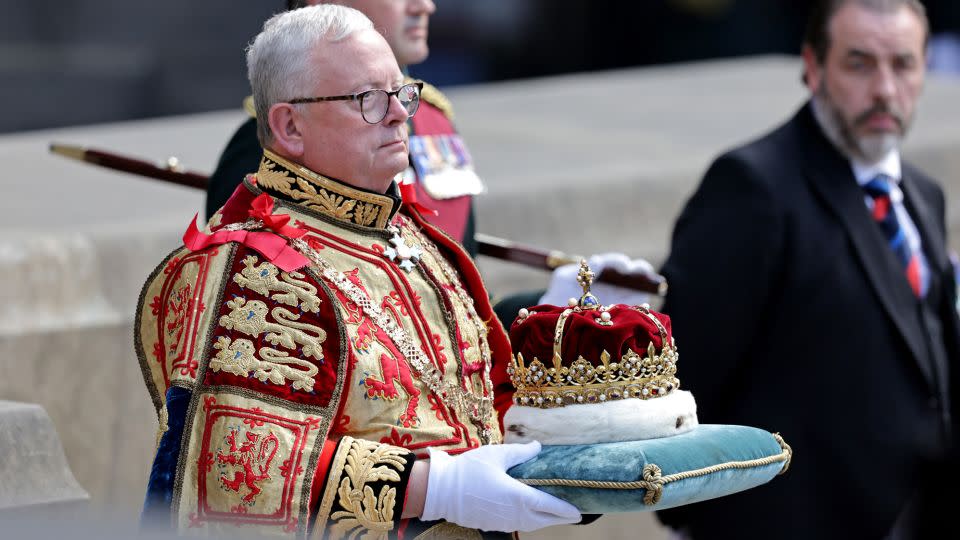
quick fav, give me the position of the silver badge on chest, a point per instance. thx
(405, 256)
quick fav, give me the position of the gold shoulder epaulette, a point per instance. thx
(435, 97)
(248, 107)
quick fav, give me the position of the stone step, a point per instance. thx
(34, 468)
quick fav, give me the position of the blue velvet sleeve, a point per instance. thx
(159, 497)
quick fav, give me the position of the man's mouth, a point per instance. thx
(390, 144)
(880, 120)
(415, 30)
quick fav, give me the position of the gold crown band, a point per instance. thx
(558, 331)
(645, 309)
(634, 376)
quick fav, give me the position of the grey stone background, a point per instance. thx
(80, 62)
(93, 61)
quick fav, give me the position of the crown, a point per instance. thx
(577, 342)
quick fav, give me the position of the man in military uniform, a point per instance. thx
(317, 340)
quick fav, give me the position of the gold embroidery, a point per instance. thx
(262, 279)
(329, 203)
(449, 531)
(237, 357)
(322, 194)
(365, 214)
(164, 425)
(329, 494)
(363, 509)
(269, 177)
(250, 318)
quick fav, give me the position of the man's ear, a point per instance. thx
(812, 70)
(285, 122)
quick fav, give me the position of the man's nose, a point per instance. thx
(421, 7)
(884, 83)
(396, 112)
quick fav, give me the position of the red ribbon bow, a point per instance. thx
(408, 193)
(262, 209)
(269, 244)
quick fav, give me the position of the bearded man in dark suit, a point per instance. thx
(839, 325)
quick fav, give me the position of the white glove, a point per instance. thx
(564, 286)
(473, 490)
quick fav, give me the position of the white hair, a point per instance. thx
(278, 59)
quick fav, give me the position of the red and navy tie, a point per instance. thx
(883, 213)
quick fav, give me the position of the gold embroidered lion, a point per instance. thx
(238, 357)
(250, 318)
(287, 287)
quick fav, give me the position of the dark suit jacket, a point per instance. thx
(792, 314)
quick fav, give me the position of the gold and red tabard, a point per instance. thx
(441, 167)
(323, 339)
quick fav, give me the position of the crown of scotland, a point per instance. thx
(574, 343)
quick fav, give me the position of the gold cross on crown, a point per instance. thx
(585, 278)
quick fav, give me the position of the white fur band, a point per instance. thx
(628, 419)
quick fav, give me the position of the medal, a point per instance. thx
(405, 256)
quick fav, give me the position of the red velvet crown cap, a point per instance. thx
(584, 335)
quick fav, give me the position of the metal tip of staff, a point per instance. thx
(68, 150)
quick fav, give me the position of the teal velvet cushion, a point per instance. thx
(654, 474)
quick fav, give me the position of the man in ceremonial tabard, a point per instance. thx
(319, 340)
(440, 175)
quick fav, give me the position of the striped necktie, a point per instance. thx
(883, 213)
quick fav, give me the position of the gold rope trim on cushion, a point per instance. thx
(449, 531)
(787, 449)
(653, 482)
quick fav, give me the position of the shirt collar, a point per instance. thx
(889, 165)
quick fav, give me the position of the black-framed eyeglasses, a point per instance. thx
(375, 103)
